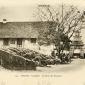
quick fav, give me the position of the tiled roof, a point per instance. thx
(77, 43)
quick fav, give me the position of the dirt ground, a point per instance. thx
(73, 66)
(67, 74)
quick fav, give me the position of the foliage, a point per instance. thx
(14, 61)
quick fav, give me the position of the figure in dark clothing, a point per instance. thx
(53, 54)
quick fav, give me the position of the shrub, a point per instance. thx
(11, 61)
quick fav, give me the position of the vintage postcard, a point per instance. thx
(42, 42)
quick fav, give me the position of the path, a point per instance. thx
(72, 74)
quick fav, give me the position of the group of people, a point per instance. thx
(64, 58)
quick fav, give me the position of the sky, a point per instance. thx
(19, 10)
(25, 10)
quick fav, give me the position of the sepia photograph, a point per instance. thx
(42, 42)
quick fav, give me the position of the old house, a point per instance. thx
(20, 34)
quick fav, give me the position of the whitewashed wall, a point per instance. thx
(46, 49)
(33, 46)
(1, 43)
(41, 49)
(13, 45)
(29, 45)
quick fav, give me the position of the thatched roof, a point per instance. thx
(19, 29)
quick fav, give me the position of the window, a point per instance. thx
(6, 42)
(12, 41)
(19, 42)
(33, 40)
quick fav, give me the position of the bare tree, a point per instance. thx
(63, 22)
